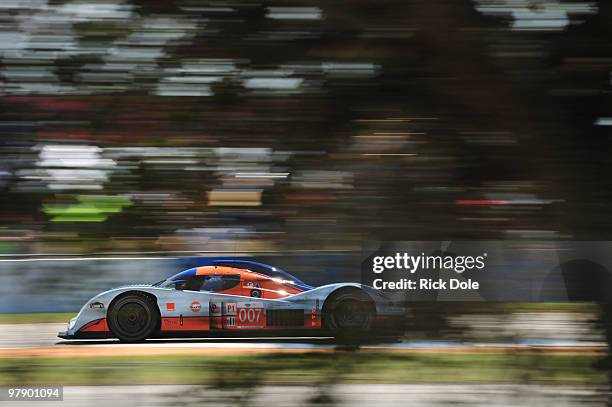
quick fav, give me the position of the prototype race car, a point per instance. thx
(230, 296)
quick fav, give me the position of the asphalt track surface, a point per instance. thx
(18, 340)
(27, 339)
(341, 395)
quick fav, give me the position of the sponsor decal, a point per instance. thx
(215, 312)
(170, 322)
(230, 321)
(196, 306)
(230, 308)
(185, 323)
(253, 284)
(96, 305)
(170, 306)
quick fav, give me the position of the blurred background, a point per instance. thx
(138, 134)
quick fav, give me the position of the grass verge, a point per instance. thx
(282, 368)
(40, 318)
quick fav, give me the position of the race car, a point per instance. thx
(231, 296)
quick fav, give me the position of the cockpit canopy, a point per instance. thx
(225, 276)
(264, 269)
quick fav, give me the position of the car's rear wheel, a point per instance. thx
(349, 313)
(133, 317)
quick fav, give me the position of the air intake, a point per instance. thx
(285, 317)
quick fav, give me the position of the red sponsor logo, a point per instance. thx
(170, 306)
(196, 306)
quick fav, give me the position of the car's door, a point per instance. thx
(185, 308)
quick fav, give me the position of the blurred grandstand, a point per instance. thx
(242, 126)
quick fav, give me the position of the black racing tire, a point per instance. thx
(133, 317)
(349, 313)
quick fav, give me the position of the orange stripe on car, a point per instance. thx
(99, 325)
(185, 323)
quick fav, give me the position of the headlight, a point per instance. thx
(71, 323)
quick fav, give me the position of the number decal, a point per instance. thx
(243, 315)
(250, 315)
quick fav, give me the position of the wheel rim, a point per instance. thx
(132, 318)
(351, 314)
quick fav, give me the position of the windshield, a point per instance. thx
(186, 275)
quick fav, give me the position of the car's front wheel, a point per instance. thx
(133, 317)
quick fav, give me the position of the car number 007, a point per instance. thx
(249, 315)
